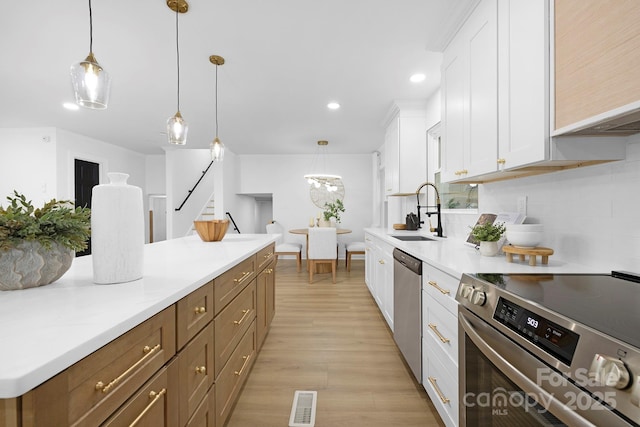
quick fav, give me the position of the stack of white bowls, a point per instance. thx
(524, 235)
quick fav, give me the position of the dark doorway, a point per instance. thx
(87, 175)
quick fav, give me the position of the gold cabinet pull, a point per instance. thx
(435, 285)
(381, 261)
(435, 330)
(269, 270)
(442, 397)
(245, 275)
(201, 369)
(154, 398)
(501, 161)
(244, 365)
(244, 316)
(200, 310)
(269, 255)
(148, 352)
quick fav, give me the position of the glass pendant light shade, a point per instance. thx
(177, 129)
(217, 150)
(91, 84)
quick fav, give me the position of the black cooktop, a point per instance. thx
(607, 303)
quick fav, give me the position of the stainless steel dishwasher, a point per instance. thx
(407, 309)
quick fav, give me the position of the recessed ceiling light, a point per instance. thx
(71, 106)
(333, 105)
(417, 78)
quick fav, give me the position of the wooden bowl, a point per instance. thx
(399, 226)
(212, 230)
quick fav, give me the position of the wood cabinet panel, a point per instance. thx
(150, 407)
(234, 374)
(597, 55)
(196, 373)
(231, 324)
(265, 256)
(265, 301)
(205, 413)
(231, 283)
(193, 313)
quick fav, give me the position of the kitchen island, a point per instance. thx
(47, 330)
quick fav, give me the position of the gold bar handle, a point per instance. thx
(107, 388)
(245, 274)
(269, 255)
(200, 310)
(244, 316)
(201, 369)
(154, 396)
(442, 397)
(434, 328)
(244, 365)
(435, 285)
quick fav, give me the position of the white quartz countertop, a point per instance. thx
(455, 257)
(44, 330)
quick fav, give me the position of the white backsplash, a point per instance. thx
(590, 214)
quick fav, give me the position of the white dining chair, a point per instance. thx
(322, 249)
(282, 247)
(352, 248)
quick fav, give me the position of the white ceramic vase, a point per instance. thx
(117, 231)
(488, 248)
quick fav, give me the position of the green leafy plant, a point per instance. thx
(56, 222)
(488, 232)
(333, 210)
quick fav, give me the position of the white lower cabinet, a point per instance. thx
(440, 341)
(379, 274)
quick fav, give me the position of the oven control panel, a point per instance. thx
(550, 337)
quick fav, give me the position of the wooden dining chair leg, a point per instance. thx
(299, 260)
(334, 267)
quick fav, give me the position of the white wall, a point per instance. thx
(27, 164)
(282, 176)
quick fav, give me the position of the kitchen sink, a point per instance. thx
(412, 238)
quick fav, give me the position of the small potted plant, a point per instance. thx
(37, 245)
(332, 210)
(488, 235)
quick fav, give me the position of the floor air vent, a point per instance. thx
(303, 410)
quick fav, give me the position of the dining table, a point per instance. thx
(320, 268)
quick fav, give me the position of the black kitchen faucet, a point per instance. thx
(437, 212)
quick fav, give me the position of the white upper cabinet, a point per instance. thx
(470, 96)
(496, 99)
(405, 149)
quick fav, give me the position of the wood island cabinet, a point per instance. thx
(185, 366)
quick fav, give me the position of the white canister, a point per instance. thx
(117, 231)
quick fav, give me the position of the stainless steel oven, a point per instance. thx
(549, 350)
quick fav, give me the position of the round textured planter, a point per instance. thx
(488, 248)
(30, 264)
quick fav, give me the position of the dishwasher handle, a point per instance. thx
(408, 261)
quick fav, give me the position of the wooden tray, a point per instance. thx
(531, 252)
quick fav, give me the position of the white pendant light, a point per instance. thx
(318, 178)
(91, 83)
(216, 146)
(177, 127)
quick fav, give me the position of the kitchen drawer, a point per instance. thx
(231, 324)
(231, 283)
(194, 312)
(440, 380)
(234, 374)
(264, 256)
(151, 406)
(441, 325)
(441, 287)
(205, 413)
(195, 369)
(88, 392)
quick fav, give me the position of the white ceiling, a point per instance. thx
(285, 60)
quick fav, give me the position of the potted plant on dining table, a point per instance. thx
(332, 210)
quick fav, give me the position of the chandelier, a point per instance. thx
(318, 179)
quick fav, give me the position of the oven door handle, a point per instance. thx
(555, 406)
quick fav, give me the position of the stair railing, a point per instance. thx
(235, 227)
(204, 172)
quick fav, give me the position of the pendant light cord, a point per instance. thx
(90, 29)
(178, 55)
(216, 100)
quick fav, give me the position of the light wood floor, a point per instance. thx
(331, 338)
